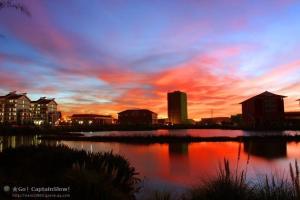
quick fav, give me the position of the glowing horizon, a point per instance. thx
(103, 57)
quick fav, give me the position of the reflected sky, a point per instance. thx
(181, 165)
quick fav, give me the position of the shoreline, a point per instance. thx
(170, 139)
(61, 130)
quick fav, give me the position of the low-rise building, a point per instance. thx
(215, 121)
(91, 119)
(137, 117)
(292, 118)
(44, 111)
(263, 111)
(15, 109)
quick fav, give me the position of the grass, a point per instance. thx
(232, 183)
(89, 175)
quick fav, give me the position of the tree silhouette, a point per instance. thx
(13, 4)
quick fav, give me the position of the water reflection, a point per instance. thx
(266, 149)
(179, 159)
(184, 164)
(190, 132)
(15, 141)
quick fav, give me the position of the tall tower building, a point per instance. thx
(177, 107)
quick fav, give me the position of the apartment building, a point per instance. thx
(44, 111)
(15, 109)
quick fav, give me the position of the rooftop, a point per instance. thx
(129, 110)
(90, 115)
(14, 95)
(44, 100)
(264, 94)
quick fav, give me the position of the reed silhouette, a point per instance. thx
(89, 175)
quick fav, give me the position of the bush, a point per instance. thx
(89, 175)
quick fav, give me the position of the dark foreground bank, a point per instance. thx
(67, 173)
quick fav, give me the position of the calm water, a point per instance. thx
(181, 165)
(191, 132)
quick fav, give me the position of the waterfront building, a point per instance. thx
(292, 118)
(263, 111)
(15, 109)
(91, 119)
(2, 106)
(137, 117)
(177, 107)
(44, 111)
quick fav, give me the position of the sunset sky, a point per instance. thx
(103, 56)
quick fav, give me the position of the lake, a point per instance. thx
(177, 166)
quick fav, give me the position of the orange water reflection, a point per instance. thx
(184, 164)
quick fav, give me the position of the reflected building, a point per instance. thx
(16, 141)
(179, 158)
(177, 107)
(266, 149)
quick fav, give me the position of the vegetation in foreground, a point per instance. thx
(233, 185)
(108, 176)
(89, 175)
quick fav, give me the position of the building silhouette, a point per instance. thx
(292, 118)
(215, 121)
(265, 110)
(177, 107)
(91, 119)
(15, 109)
(18, 109)
(44, 111)
(137, 117)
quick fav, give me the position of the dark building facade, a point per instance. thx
(137, 117)
(292, 118)
(263, 111)
(91, 119)
(215, 121)
(177, 107)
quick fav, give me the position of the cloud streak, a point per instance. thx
(131, 55)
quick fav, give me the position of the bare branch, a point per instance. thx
(12, 4)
